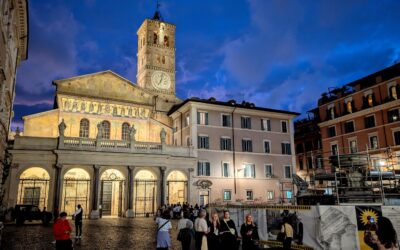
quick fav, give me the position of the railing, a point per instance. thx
(105, 145)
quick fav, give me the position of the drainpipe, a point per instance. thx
(233, 151)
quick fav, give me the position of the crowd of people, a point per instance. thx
(197, 230)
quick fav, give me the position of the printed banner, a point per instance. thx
(367, 219)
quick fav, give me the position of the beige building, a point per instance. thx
(120, 149)
(13, 50)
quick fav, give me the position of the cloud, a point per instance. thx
(52, 52)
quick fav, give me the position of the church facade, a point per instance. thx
(122, 149)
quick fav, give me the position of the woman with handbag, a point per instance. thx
(201, 230)
(163, 227)
(228, 233)
(249, 233)
(213, 237)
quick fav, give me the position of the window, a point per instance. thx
(249, 195)
(125, 131)
(202, 118)
(203, 168)
(155, 38)
(226, 121)
(84, 128)
(247, 145)
(320, 162)
(163, 59)
(225, 143)
(284, 127)
(266, 124)
(245, 122)
(267, 147)
(369, 121)
(270, 195)
(288, 172)
(187, 120)
(373, 142)
(393, 115)
(289, 194)
(203, 142)
(370, 100)
(349, 107)
(309, 161)
(268, 170)
(227, 195)
(106, 129)
(286, 150)
(249, 171)
(353, 146)
(332, 131)
(334, 149)
(332, 113)
(166, 42)
(393, 92)
(349, 127)
(188, 142)
(396, 138)
(225, 169)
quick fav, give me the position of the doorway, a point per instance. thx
(112, 193)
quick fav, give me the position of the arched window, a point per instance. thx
(163, 60)
(125, 131)
(166, 42)
(106, 129)
(155, 37)
(158, 59)
(370, 100)
(84, 128)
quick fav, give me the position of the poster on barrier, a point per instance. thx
(337, 228)
(367, 219)
(392, 226)
(300, 223)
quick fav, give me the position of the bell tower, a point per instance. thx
(156, 56)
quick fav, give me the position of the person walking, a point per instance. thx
(213, 238)
(163, 227)
(78, 221)
(201, 230)
(287, 229)
(62, 230)
(249, 233)
(228, 232)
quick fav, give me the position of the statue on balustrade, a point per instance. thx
(99, 131)
(62, 127)
(132, 133)
(163, 135)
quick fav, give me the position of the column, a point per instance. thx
(57, 191)
(162, 182)
(129, 212)
(95, 214)
(189, 182)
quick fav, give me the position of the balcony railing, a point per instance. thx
(105, 145)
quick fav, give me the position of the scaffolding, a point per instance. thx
(359, 177)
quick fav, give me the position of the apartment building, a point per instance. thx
(245, 153)
(363, 117)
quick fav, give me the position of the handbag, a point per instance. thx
(232, 230)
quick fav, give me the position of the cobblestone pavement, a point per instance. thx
(110, 233)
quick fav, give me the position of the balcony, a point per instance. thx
(100, 145)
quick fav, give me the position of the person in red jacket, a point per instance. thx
(62, 231)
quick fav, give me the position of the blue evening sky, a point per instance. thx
(276, 53)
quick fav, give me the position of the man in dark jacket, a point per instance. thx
(78, 221)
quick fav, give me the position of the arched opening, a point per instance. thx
(33, 187)
(76, 190)
(125, 131)
(106, 129)
(84, 128)
(166, 41)
(112, 193)
(155, 37)
(145, 189)
(177, 187)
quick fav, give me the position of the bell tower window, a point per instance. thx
(166, 42)
(155, 37)
(163, 59)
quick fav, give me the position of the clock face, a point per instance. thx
(160, 80)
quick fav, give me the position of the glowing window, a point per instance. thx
(125, 131)
(84, 128)
(106, 129)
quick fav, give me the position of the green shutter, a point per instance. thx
(207, 169)
(198, 117)
(206, 118)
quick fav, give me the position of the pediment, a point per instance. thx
(103, 85)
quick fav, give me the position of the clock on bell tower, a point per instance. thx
(156, 56)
